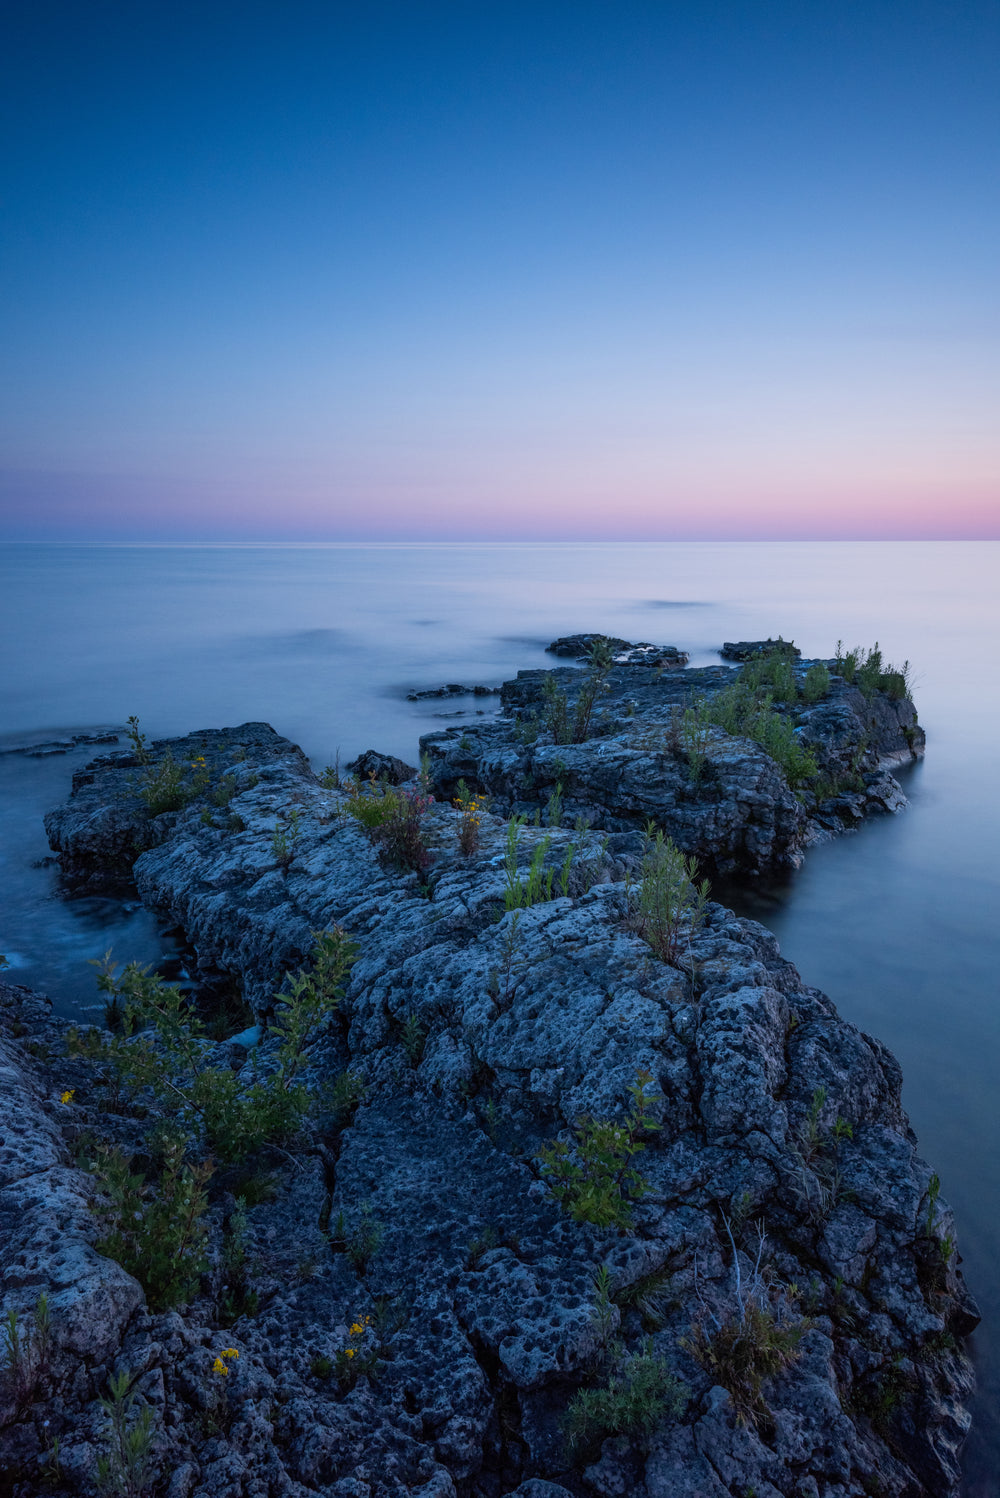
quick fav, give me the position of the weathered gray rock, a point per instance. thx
(737, 813)
(748, 650)
(382, 767)
(47, 1232)
(578, 648)
(770, 1108)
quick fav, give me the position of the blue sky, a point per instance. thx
(414, 270)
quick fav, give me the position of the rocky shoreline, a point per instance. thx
(429, 1302)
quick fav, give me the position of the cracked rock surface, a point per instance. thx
(484, 1317)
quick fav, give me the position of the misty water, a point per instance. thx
(899, 923)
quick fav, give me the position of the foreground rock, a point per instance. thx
(480, 1036)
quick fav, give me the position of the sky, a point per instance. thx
(468, 270)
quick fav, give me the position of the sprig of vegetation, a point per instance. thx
(391, 818)
(162, 1046)
(752, 1338)
(567, 728)
(471, 809)
(593, 1178)
(867, 670)
(157, 1234)
(125, 1469)
(745, 711)
(816, 683)
(639, 1394)
(521, 894)
(671, 903)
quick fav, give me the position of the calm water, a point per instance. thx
(900, 923)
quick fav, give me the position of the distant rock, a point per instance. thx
(579, 647)
(453, 689)
(745, 650)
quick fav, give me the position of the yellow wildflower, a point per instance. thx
(230, 1352)
(220, 1367)
(348, 1352)
(357, 1330)
(67, 1096)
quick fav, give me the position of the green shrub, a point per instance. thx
(671, 904)
(521, 894)
(867, 670)
(124, 1470)
(239, 1298)
(693, 737)
(756, 1335)
(574, 729)
(640, 1393)
(593, 1178)
(163, 788)
(816, 683)
(413, 1038)
(745, 1350)
(745, 712)
(361, 1239)
(156, 1233)
(162, 1046)
(771, 673)
(391, 818)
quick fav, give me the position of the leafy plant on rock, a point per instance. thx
(391, 817)
(574, 728)
(162, 1046)
(639, 1394)
(155, 1232)
(671, 904)
(593, 1177)
(124, 1470)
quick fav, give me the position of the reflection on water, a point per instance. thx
(898, 923)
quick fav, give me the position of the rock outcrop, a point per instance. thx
(736, 810)
(481, 1034)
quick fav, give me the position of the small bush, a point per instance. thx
(640, 1394)
(671, 904)
(359, 1240)
(742, 1352)
(161, 1046)
(239, 1298)
(391, 818)
(693, 737)
(593, 1178)
(471, 809)
(567, 728)
(755, 1336)
(867, 670)
(156, 1233)
(124, 1470)
(816, 683)
(521, 894)
(413, 1038)
(746, 712)
(772, 673)
(163, 788)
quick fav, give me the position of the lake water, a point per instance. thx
(899, 923)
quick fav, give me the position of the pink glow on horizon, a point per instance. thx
(120, 508)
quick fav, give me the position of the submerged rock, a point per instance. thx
(481, 1034)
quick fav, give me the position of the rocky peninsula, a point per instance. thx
(486, 1154)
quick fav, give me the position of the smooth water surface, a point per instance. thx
(899, 923)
